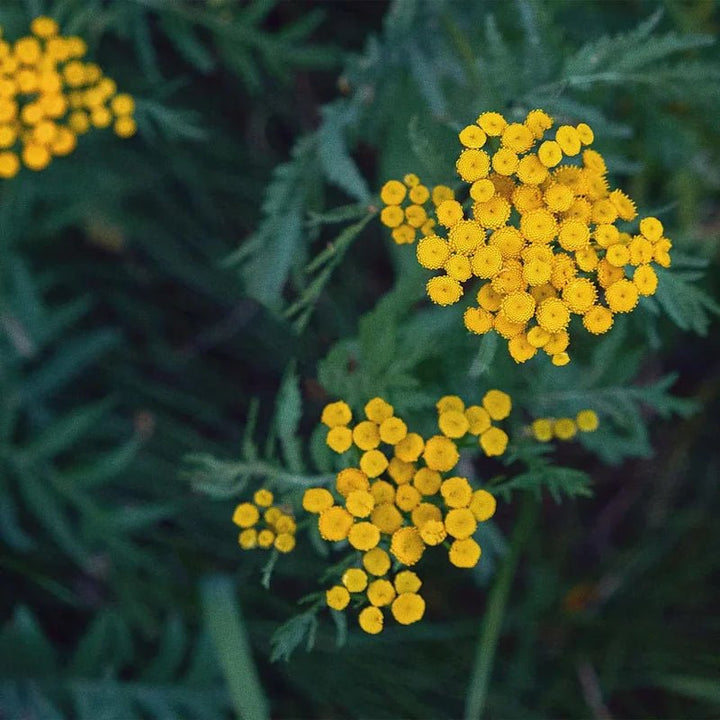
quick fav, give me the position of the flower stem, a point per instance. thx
(493, 618)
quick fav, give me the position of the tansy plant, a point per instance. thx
(538, 237)
(49, 96)
(398, 495)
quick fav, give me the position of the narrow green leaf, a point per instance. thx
(224, 622)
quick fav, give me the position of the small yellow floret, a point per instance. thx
(482, 505)
(587, 421)
(337, 597)
(408, 608)
(371, 620)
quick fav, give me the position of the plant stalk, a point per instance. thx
(493, 618)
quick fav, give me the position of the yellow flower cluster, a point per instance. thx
(404, 209)
(541, 236)
(264, 525)
(48, 97)
(545, 429)
(398, 502)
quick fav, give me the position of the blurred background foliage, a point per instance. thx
(211, 282)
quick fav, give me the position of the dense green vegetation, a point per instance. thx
(172, 322)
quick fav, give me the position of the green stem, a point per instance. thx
(493, 619)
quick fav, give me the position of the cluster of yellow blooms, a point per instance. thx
(390, 522)
(264, 525)
(542, 235)
(48, 97)
(545, 429)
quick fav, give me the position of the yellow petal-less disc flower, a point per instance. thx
(360, 503)
(376, 561)
(407, 545)
(538, 226)
(364, 536)
(444, 290)
(453, 423)
(393, 192)
(425, 513)
(482, 505)
(518, 307)
(542, 429)
(440, 453)
(531, 170)
(458, 267)
(370, 620)
(449, 212)
(365, 435)
(410, 448)
(472, 137)
(391, 216)
(246, 515)
(579, 295)
(407, 498)
(573, 235)
(558, 198)
(337, 597)
(520, 349)
(493, 441)
(585, 133)
(339, 439)
(587, 421)
(392, 430)
(263, 498)
(284, 542)
(419, 194)
(505, 161)
(427, 481)
(460, 523)
(623, 204)
(478, 321)
(265, 539)
(537, 272)
(386, 517)
(248, 539)
(408, 608)
(378, 410)
(651, 228)
(487, 262)
(285, 524)
(373, 463)
(9, 165)
(35, 156)
(380, 593)
(355, 580)
(508, 241)
(497, 403)
(473, 165)
(564, 428)
(465, 553)
(401, 472)
(351, 479)
(456, 492)
(488, 299)
(493, 213)
(493, 123)
(568, 138)
(406, 581)
(557, 343)
(478, 419)
(482, 190)
(125, 127)
(433, 532)
(517, 137)
(44, 27)
(560, 359)
(645, 280)
(382, 491)
(335, 523)
(552, 315)
(550, 153)
(537, 337)
(618, 255)
(441, 193)
(415, 216)
(432, 252)
(405, 235)
(465, 236)
(450, 402)
(621, 296)
(538, 121)
(335, 414)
